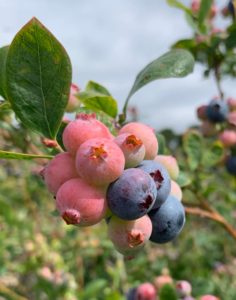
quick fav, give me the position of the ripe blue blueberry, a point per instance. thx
(217, 111)
(231, 165)
(132, 195)
(231, 8)
(161, 177)
(167, 221)
(131, 294)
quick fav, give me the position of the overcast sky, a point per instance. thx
(111, 41)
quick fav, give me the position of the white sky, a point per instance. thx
(111, 41)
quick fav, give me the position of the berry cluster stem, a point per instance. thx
(212, 214)
(6, 292)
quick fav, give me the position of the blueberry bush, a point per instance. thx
(93, 207)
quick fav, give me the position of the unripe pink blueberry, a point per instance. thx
(170, 163)
(231, 103)
(176, 190)
(145, 134)
(225, 11)
(201, 112)
(183, 288)
(132, 148)
(228, 138)
(85, 127)
(232, 118)
(73, 101)
(129, 237)
(99, 161)
(145, 291)
(213, 11)
(80, 203)
(162, 280)
(200, 38)
(59, 170)
(195, 6)
(216, 31)
(209, 297)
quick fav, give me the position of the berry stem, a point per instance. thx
(212, 214)
(218, 83)
(6, 292)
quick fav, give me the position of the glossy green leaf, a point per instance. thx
(15, 155)
(175, 63)
(213, 155)
(97, 98)
(204, 10)
(3, 57)
(193, 145)
(38, 73)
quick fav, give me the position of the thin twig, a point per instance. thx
(11, 295)
(213, 215)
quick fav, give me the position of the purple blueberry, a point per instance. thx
(132, 195)
(161, 177)
(131, 294)
(217, 111)
(231, 165)
(167, 221)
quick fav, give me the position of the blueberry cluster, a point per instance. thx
(165, 284)
(219, 120)
(120, 179)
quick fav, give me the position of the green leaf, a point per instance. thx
(204, 10)
(93, 288)
(192, 145)
(95, 87)
(38, 78)
(213, 155)
(15, 155)
(55, 213)
(184, 179)
(168, 292)
(5, 105)
(230, 41)
(3, 57)
(161, 143)
(178, 4)
(60, 134)
(97, 98)
(175, 63)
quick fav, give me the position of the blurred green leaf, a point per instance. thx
(94, 288)
(38, 78)
(213, 155)
(178, 4)
(193, 147)
(14, 155)
(204, 10)
(161, 143)
(97, 98)
(167, 292)
(3, 58)
(5, 105)
(230, 41)
(184, 179)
